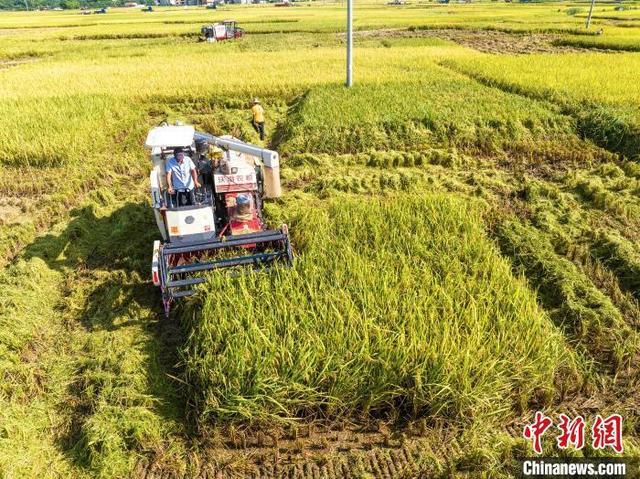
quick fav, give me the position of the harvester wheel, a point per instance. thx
(285, 230)
(166, 303)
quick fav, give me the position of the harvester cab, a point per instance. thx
(216, 32)
(219, 224)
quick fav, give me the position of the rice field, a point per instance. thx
(465, 221)
(415, 114)
(334, 335)
(605, 107)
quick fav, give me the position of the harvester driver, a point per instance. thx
(243, 208)
(181, 178)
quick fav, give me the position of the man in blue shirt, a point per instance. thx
(181, 176)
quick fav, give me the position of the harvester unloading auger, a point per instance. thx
(218, 225)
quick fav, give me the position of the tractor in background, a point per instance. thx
(217, 32)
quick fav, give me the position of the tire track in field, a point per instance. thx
(404, 462)
(404, 458)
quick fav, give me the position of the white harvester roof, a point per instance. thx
(168, 136)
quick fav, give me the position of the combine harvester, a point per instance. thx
(217, 32)
(218, 225)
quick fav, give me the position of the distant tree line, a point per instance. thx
(65, 4)
(94, 4)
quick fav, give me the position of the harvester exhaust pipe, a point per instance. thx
(270, 159)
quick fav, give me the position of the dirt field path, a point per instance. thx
(487, 41)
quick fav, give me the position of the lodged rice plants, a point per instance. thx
(398, 303)
(620, 255)
(78, 362)
(53, 150)
(573, 301)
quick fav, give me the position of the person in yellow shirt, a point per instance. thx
(258, 117)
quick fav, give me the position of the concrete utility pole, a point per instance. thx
(349, 43)
(590, 13)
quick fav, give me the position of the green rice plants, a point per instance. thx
(573, 10)
(333, 337)
(415, 115)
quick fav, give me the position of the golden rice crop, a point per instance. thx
(606, 107)
(398, 304)
(572, 77)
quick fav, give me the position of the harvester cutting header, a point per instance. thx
(207, 194)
